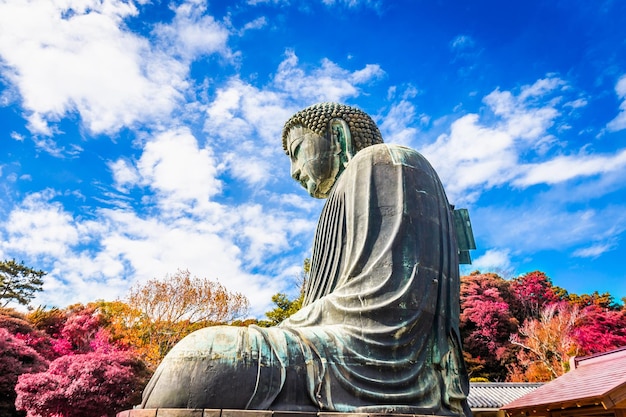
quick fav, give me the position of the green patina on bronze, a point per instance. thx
(378, 331)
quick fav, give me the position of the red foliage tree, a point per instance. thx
(600, 330)
(21, 328)
(533, 292)
(486, 324)
(94, 384)
(17, 358)
(80, 328)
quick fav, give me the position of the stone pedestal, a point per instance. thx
(180, 412)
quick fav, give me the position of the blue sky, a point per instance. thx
(142, 137)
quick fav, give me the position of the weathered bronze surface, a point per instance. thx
(378, 331)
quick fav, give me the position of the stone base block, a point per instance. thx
(184, 412)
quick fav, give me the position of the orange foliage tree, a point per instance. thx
(546, 343)
(159, 313)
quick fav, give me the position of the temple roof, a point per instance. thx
(494, 395)
(597, 380)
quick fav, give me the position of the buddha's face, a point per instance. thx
(315, 160)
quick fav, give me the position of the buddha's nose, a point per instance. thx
(295, 171)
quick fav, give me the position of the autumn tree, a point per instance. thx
(546, 343)
(20, 327)
(80, 328)
(18, 283)
(531, 293)
(600, 329)
(486, 324)
(15, 321)
(48, 320)
(165, 310)
(604, 301)
(123, 322)
(93, 384)
(17, 358)
(183, 297)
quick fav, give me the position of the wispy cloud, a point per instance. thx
(482, 152)
(375, 4)
(567, 167)
(461, 42)
(544, 225)
(594, 251)
(397, 125)
(619, 122)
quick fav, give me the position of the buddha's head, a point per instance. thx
(322, 139)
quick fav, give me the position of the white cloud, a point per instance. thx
(619, 122)
(255, 2)
(192, 34)
(493, 260)
(564, 168)
(462, 42)
(40, 227)
(472, 156)
(375, 4)
(327, 83)
(124, 174)
(396, 126)
(258, 23)
(477, 155)
(241, 110)
(100, 258)
(181, 173)
(595, 250)
(576, 104)
(71, 56)
(371, 72)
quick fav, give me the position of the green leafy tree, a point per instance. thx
(18, 283)
(284, 306)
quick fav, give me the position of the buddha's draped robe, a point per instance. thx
(378, 331)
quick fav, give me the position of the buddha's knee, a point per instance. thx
(215, 367)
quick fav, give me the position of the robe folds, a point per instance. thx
(379, 326)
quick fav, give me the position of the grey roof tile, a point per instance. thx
(497, 394)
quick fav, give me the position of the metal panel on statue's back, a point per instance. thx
(464, 235)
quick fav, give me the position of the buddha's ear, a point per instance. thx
(341, 133)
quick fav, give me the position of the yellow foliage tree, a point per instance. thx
(159, 313)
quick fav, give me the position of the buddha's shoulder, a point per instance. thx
(389, 153)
